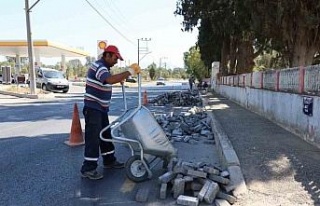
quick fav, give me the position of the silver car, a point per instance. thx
(51, 80)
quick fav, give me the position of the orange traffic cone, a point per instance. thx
(76, 136)
(145, 98)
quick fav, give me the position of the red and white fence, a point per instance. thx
(300, 80)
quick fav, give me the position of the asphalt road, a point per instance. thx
(37, 168)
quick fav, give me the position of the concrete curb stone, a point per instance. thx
(227, 156)
(31, 96)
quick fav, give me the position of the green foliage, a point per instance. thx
(224, 31)
(74, 68)
(235, 32)
(89, 60)
(209, 43)
(24, 70)
(179, 73)
(162, 72)
(194, 65)
(271, 59)
(155, 72)
(10, 63)
(152, 71)
(117, 70)
(5, 63)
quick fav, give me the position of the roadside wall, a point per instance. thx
(285, 109)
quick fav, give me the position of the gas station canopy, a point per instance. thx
(41, 48)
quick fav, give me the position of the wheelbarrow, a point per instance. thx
(144, 136)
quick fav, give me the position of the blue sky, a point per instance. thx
(76, 24)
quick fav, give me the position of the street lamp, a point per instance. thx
(143, 50)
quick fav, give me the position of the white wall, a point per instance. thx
(285, 109)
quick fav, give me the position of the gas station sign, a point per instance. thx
(101, 44)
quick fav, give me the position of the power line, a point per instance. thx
(115, 14)
(116, 10)
(109, 23)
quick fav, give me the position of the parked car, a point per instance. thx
(160, 81)
(0, 78)
(51, 80)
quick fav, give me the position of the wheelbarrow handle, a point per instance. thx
(139, 90)
(124, 96)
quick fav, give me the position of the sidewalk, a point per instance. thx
(279, 168)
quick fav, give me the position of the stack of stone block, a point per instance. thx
(177, 98)
(193, 183)
(189, 127)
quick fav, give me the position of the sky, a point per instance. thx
(76, 24)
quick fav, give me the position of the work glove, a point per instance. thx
(134, 69)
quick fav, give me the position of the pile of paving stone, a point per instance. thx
(192, 183)
(189, 183)
(189, 127)
(177, 98)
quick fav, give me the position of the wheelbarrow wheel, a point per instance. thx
(135, 169)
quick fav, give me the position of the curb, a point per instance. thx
(227, 155)
(31, 96)
(226, 152)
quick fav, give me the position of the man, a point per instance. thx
(96, 106)
(191, 82)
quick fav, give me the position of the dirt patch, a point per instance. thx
(19, 89)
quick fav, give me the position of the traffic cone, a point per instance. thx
(76, 136)
(145, 98)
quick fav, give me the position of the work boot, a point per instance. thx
(92, 175)
(114, 165)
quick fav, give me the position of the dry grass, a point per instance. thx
(19, 89)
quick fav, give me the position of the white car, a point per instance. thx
(51, 80)
(160, 81)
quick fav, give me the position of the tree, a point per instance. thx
(209, 43)
(179, 73)
(152, 70)
(237, 31)
(89, 60)
(194, 65)
(292, 28)
(224, 33)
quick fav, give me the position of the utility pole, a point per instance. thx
(30, 48)
(138, 53)
(160, 61)
(143, 50)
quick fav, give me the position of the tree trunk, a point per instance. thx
(245, 57)
(303, 52)
(233, 54)
(311, 52)
(299, 49)
(224, 57)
